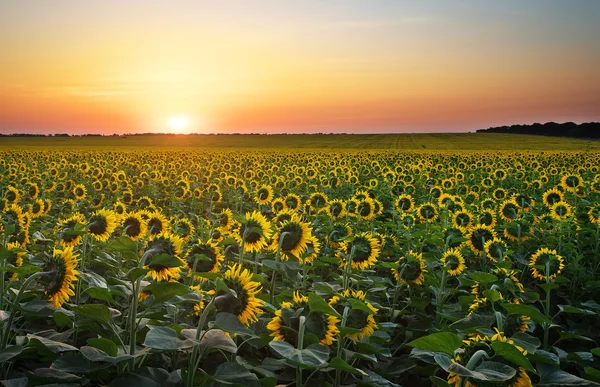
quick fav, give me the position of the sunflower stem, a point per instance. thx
(338, 373)
(473, 361)
(78, 288)
(277, 256)
(348, 268)
(547, 308)
(300, 347)
(196, 356)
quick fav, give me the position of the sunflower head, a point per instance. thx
(167, 244)
(134, 225)
(292, 238)
(495, 249)
(363, 249)
(546, 263)
(62, 275)
(478, 235)
(244, 304)
(254, 233)
(453, 262)
(102, 224)
(411, 269)
(209, 257)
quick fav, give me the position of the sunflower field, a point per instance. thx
(299, 268)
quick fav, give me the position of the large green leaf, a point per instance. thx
(165, 260)
(318, 304)
(234, 374)
(526, 310)
(359, 305)
(445, 342)
(339, 364)
(96, 312)
(106, 345)
(231, 323)
(512, 354)
(314, 356)
(54, 346)
(164, 291)
(554, 377)
(10, 352)
(165, 338)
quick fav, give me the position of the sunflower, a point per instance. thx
(366, 209)
(495, 249)
(278, 205)
(79, 192)
(225, 220)
(551, 264)
(209, 254)
(295, 241)
(427, 212)
(318, 201)
(509, 210)
(36, 209)
(560, 210)
(264, 195)
(255, 233)
(462, 220)
(408, 220)
(594, 214)
(359, 319)
(404, 203)
(134, 225)
(453, 261)
(410, 269)
(292, 201)
(366, 251)
(552, 196)
(102, 224)
(72, 230)
(184, 229)
(60, 284)
(477, 237)
(163, 243)
(571, 181)
(313, 249)
(336, 209)
(12, 195)
(246, 306)
(14, 258)
(157, 222)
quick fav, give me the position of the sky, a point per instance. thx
(273, 66)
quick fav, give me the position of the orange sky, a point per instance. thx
(310, 66)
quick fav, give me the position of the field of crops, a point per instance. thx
(241, 267)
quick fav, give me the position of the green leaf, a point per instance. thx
(164, 291)
(512, 354)
(94, 279)
(143, 377)
(100, 294)
(339, 364)
(165, 338)
(234, 374)
(526, 341)
(122, 244)
(526, 310)
(136, 273)
(574, 310)
(492, 295)
(359, 305)
(10, 352)
(551, 376)
(231, 323)
(445, 342)
(314, 356)
(573, 336)
(96, 312)
(54, 346)
(165, 260)
(483, 278)
(222, 287)
(596, 351)
(438, 382)
(62, 319)
(318, 304)
(216, 339)
(106, 345)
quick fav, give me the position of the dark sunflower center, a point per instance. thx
(292, 202)
(364, 209)
(362, 249)
(293, 237)
(412, 270)
(98, 225)
(132, 227)
(336, 209)
(278, 206)
(36, 208)
(203, 265)
(232, 304)
(251, 236)
(53, 283)
(553, 198)
(427, 212)
(478, 238)
(463, 220)
(318, 201)
(357, 319)
(155, 226)
(404, 204)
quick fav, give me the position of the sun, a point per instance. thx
(178, 123)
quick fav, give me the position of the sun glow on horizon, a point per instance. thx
(179, 123)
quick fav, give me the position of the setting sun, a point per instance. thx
(178, 123)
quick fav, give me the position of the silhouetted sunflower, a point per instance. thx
(411, 269)
(453, 261)
(71, 230)
(295, 241)
(210, 257)
(551, 264)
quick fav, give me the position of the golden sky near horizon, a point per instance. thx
(270, 66)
